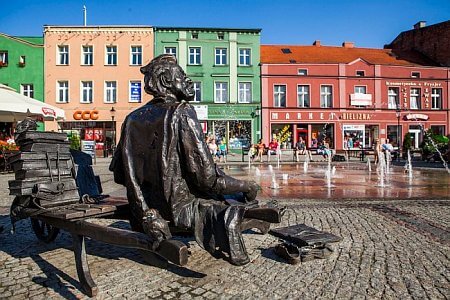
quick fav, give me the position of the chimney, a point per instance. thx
(420, 24)
(316, 43)
(348, 44)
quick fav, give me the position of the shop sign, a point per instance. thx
(415, 117)
(204, 126)
(85, 115)
(413, 83)
(355, 116)
(202, 111)
(135, 91)
(48, 112)
(346, 127)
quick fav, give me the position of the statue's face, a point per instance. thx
(182, 86)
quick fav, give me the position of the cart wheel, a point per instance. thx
(44, 231)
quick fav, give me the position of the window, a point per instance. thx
(63, 55)
(27, 90)
(111, 55)
(245, 92)
(136, 55)
(86, 92)
(170, 50)
(326, 96)
(436, 98)
(360, 73)
(438, 129)
(88, 56)
(302, 72)
(198, 91)
(303, 95)
(194, 55)
(135, 92)
(195, 35)
(415, 74)
(360, 89)
(22, 60)
(220, 36)
(393, 98)
(414, 98)
(110, 92)
(245, 57)
(63, 92)
(221, 56)
(221, 92)
(286, 50)
(279, 95)
(3, 58)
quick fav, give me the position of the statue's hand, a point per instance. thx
(252, 191)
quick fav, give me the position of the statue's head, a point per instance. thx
(164, 78)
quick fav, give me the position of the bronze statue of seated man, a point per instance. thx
(170, 175)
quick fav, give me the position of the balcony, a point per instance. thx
(361, 99)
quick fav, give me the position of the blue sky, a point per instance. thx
(367, 23)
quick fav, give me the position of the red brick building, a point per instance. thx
(432, 41)
(336, 93)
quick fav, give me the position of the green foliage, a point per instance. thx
(407, 142)
(433, 142)
(74, 142)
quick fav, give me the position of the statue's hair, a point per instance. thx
(160, 66)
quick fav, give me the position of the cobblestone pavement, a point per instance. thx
(391, 249)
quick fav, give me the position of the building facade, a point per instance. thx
(93, 73)
(223, 64)
(22, 68)
(432, 41)
(339, 93)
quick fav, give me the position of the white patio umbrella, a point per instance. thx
(16, 107)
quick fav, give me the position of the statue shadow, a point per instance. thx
(23, 243)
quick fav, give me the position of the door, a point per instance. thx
(415, 136)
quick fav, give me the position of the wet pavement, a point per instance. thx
(395, 244)
(348, 181)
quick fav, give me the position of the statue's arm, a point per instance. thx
(200, 164)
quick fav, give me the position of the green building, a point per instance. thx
(224, 65)
(22, 67)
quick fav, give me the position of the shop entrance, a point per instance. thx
(302, 133)
(415, 136)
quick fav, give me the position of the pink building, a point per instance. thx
(339, 93)
(93, 73)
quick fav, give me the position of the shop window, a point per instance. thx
(283, 134)
(238, 134)
(321, 133)
(438, 129)
(394, 133)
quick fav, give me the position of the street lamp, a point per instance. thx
(113, 143)
(398, 114)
